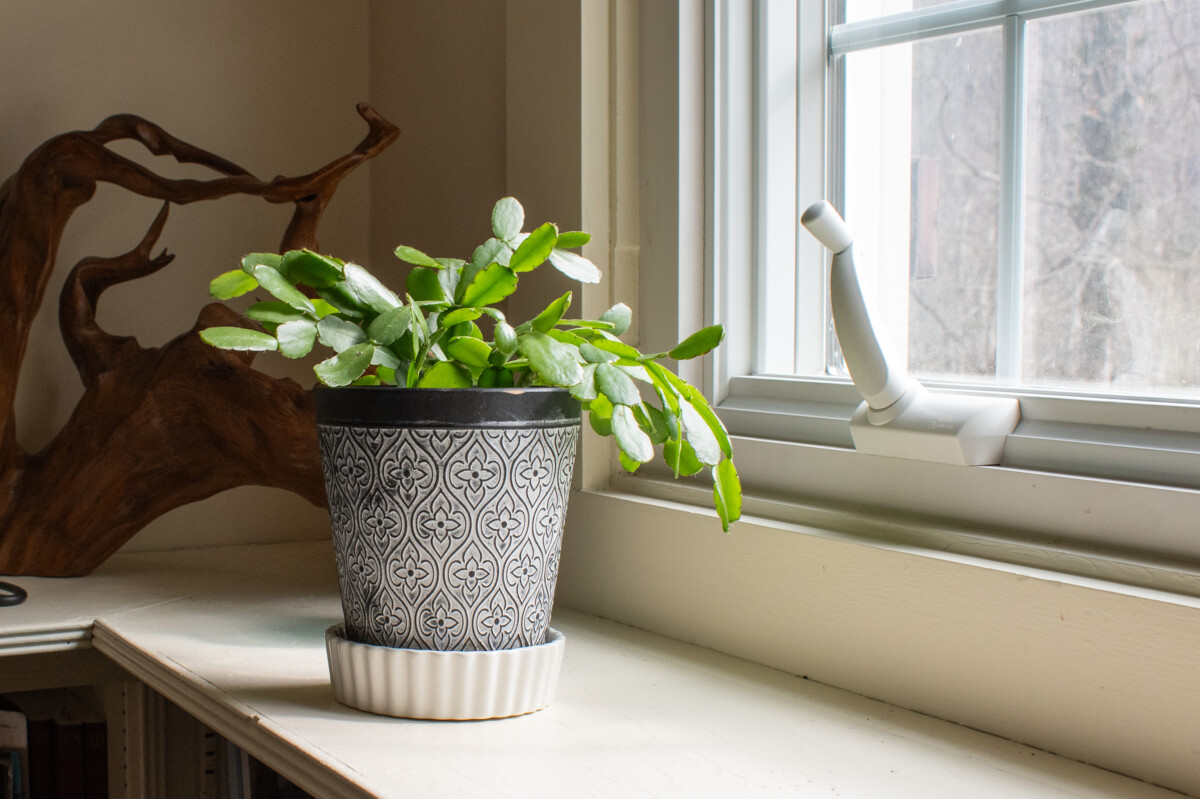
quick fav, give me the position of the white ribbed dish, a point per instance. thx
(449, 686)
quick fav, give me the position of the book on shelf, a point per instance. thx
(68, 745)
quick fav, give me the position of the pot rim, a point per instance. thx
(403, 407)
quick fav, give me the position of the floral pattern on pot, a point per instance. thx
(447, 539)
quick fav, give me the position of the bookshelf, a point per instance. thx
(230, 641)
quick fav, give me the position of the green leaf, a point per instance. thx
(296, 338)
(601, 424)
(310, 268)
(385, 357)
(553, 361)
(594, 354)
(700, 435)
(727, 493)
(468, 350)
(566, 337)
(366, 380)
(444, 374)
(340, 335)
(698, 343)
(628, 465)
(346, 366)
(271, 259)
(492, 251)
(616, 347)
(369, 290)
(507, 218)
(714, 423)
(234, 283)
(425, 284)
(323, 308)
(630, 438)
(495, 378)
(653, 421)
(274, 282)
(620, 316)
(416, 257)
(534, 249)
(585, 390)
(386, 376)
(490, 285)
(274, 312)
(574, 266)
(572, 239)
(390, 325)
(239, 338)
(459, 315)
(600, 412)
(506, 338)
(342, 298)
(616, 385)
(590, 324)
(547, 319)
(682, 459)
(666, 393)
(635, 370)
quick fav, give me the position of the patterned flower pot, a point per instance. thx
(447, 508)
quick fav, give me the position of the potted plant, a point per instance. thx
(448, 437)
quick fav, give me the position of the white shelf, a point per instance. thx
(235, 636)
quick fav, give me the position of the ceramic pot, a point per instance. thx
(447, 508)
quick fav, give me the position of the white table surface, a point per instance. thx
(235, 636)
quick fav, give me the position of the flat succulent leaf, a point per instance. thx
(425, 284)
(698, 343)
(630, 437)
(508, 217)
(506, 338)
(366, 380)
(590, 324)
(620, 316)
(727, 493)
(627, 464)
(547, 319)
(390, 325)
(274, 282)
(593, 354)
(385, 357)
(682, 459)
(618, 348)
(415, 257)
(296, 338)
(459, 315)
(271, 259)
(601, 424)
(444, 374)
(369, 290)
(616, 385)
(553, 361)
(344, 300)
(492, 251)
(239, 338)
(323, 308)
(662, 386)
(490, 285)
(233, 283)
(274, 312)
(535, 249)
(468, 351)
(585, 390)
(700, 405)
(347, 366)
(566, 337)
(574, 266)
(340, 335)
(572, 239)
(495, 378)
(635, 370)
(310, 268)
(653, 421)
(386, 376)
(708, 450)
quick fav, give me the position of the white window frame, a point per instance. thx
(1078, 473)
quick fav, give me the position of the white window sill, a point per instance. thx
(235, 637)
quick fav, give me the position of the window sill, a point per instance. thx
(1090, 665)
(234, 636)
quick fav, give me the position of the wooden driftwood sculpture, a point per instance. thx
(155, 428)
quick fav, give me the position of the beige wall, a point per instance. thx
(269, 84)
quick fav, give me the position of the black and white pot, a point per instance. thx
(447, 508)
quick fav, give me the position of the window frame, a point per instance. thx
(1078, 472)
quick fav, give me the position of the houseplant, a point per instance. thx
(448, 450)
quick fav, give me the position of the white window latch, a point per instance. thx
(899, 417)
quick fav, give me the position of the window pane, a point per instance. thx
(859, 10)
(1113, 200)
(922, 195)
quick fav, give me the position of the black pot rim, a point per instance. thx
(400, 407)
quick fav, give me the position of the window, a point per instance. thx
(1022, 231)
